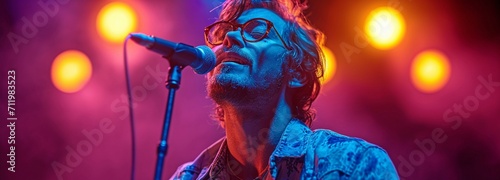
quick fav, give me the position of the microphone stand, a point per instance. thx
(172, 84)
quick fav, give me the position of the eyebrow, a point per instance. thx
(240, 21)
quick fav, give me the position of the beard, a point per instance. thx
(226, 89)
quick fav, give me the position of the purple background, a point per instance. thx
(371, 95)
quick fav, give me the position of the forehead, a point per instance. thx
(261, 13)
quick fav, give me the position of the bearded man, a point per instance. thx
(268, 70)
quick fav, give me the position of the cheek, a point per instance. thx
(272, 59)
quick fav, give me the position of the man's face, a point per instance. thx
(248, 69)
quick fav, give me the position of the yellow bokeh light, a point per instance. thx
(330, 65)
(385, 27)
(430, 71)
(115, 21)
(70, 71)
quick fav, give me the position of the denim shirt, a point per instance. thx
(302, 154)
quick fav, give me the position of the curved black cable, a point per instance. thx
(130, 108)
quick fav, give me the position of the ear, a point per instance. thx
(297, 80)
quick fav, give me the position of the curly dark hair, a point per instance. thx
(305, 58)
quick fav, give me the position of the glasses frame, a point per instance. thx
(240, 26)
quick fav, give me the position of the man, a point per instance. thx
(268, 72)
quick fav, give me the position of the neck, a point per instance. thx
(253, 133)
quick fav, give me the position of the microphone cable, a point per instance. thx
(130, 106)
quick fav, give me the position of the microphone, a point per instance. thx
(200, 58)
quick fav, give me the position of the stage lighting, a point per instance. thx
(430, 71)
(70, 71)
(385, 27)
(115, 21)
(330, 65)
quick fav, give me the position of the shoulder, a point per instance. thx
(323, 138)
(349, 156)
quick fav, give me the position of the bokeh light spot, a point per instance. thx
(70, 71)
(430, 71)
(385, 27)
(330, 65)
(115, 21)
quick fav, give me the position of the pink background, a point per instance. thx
(371, 95)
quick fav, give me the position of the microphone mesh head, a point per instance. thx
(207, 60)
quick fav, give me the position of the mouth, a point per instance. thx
(231, 57)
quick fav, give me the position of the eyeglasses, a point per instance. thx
(252, 31)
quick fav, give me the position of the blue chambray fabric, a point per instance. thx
(302, 154)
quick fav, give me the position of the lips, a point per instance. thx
(232, 57)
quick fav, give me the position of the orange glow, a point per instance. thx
(430, 71)
(385, 27)
(115, 21)
(330, 65)
(70, 71)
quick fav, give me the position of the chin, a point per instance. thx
(226, 88)
(222, 87)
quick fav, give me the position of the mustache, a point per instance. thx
(233, 49)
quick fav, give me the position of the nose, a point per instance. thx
(233, 38)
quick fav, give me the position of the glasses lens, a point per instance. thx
(255, 30)
(217, 32)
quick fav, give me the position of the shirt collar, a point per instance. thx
(293, 143)
(294, 140)
(218, 169)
